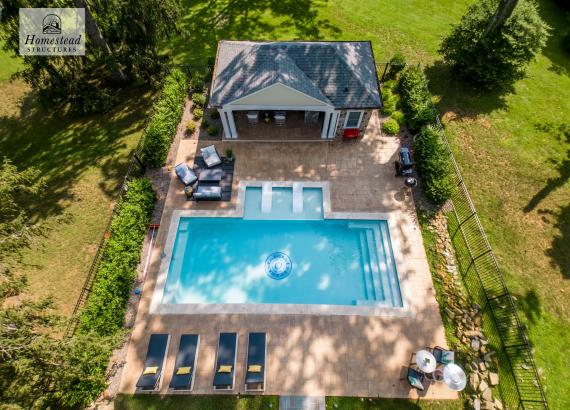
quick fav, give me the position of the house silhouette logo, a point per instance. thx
(51, 24)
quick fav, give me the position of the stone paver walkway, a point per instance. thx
(302, 403)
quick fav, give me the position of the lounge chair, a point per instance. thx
(443, 356)
(416, 378)
(185, 174)
(210, 155)
(224, 372)
(255, 367)
(154, 362)
(185, 366)
(206, 192)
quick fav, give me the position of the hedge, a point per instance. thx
(105, 308)
(164, 120)
(434, 164)
(415, 99)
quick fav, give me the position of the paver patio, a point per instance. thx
(309, 354)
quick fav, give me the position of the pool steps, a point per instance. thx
(376, 266)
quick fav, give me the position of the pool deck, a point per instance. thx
(336, 355)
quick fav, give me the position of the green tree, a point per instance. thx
(17, 188)
(495, 41)
(121, 47)
(38, 368)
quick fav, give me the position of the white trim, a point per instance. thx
(321, 108)
(322, 103)
(232, 124)
(392, 218)
(326, 124)
(359, 119)
(225, 125)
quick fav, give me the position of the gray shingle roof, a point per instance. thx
(341, 74)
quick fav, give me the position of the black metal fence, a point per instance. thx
(135, 168)
(520, 386)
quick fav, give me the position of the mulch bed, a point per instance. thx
(227, 179)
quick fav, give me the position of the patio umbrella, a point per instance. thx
(454, 377)
(426, 361)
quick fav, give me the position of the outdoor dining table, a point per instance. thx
(426, 361)
(454, 377)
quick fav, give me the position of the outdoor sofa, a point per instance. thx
(207, 193)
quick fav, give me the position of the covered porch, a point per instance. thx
(287, 125)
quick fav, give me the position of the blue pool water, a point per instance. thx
(283, 251)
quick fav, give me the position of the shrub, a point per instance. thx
(197, 82)
(213, 130)
(198, 113)
(434, 164)
(105, 308)
(397, 64)
(398, 116)
(204, 123)
(215, 115)
(164, 120)
(191, 127)
(198, 100)
(229, 153)
(499, 57)
(390, 101)
(391, 127)
(389, 85)
(416, 99)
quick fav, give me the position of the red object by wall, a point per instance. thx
(351, 133)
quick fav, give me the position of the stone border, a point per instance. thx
(268, 308)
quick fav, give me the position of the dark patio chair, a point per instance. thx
(224, 372)
(255, 366)
(154, 362)
(185, 366)
(443, 356)
(416, 378)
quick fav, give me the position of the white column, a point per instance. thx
(334, 124)
(232, 124)
(225, 124)
(324, 132)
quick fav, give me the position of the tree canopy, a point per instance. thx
(494, 41)
(121, 47)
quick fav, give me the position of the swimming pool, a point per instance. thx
(282, 251)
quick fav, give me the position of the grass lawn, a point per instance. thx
(83, 160)
(517, 169)
(353, 403)
(218, 402)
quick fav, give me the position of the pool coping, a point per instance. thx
(158, 308)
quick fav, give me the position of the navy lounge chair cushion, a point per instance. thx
(186, 357)
(227, 347)
(154, 357)
(207, 193)
(255, 356)
(185, 174)
(415, 378)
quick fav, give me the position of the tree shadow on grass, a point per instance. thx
(559, 252)
(207, 22)
(460, 97)
(64, 147)
(530, 305)
(558, 19)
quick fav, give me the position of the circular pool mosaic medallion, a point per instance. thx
(278, 265)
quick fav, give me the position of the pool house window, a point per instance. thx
(353, 119)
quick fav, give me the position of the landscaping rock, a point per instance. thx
(488, 405)
(477, 404)
(483, 386)
(493, 379)
(474, 380)
(475, 344)
(482, 366)
(487, 395)
(498, 404)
